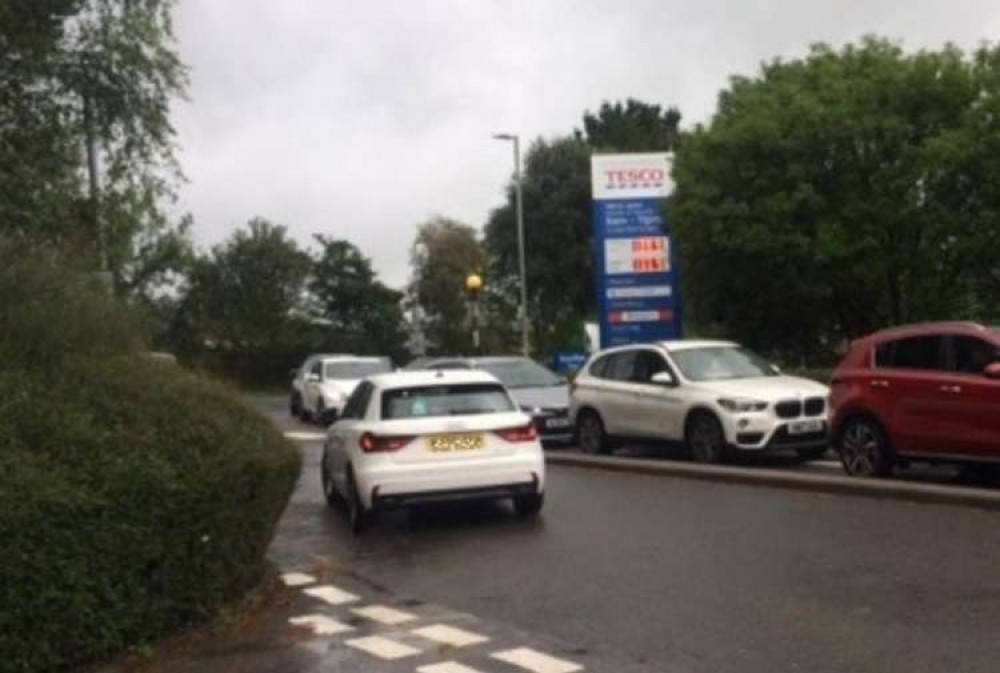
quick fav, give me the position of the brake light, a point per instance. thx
(372, 443)
(525, 433)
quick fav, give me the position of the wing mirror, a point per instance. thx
(312, 378)
(992, 371)
(663, 379)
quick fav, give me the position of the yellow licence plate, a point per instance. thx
(453, 443)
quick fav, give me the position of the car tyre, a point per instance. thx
(590, 434)
(295, 405)
(529, 505)
(705, 439)
(864, 448)
(320, 412)
(333, 499)
(356, 513)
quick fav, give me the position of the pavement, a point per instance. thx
(623, 572)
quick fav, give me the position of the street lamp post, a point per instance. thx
(474, 285)
(514, 138)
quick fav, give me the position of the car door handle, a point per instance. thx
(880, 383)
(951, 389)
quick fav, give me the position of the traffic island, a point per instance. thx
(815, 483)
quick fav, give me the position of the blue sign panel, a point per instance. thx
(568, 362)
(637, 281)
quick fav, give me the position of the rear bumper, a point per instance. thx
(382, 501)
(522, 472)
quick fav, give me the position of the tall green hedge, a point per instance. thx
(135, 498)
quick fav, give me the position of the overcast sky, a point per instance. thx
(361, 119)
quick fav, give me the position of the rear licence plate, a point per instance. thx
(805, 427)
(455, 443)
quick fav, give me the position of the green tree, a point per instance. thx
(444, 253)
(634, 126)
(247, 295)
(104, 70)
(808, 209)
(358, 312)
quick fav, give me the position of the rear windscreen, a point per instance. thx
(445, 400)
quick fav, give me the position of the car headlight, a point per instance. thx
(741, 404)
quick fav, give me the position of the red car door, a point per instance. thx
(974, 399)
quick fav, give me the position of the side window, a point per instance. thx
(317, 368)
(648, 363)
(622, 366)
(357, 403)
(600, 367)
(923, 352)
(971, 355)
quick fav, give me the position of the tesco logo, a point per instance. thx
(632, 178)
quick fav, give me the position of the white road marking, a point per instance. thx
(536, 661)
(384, 615)
(383, 648)
(331, 595)
(449, 635)
(446, 667)
(297, 579)
(321, 625)
(301, 436)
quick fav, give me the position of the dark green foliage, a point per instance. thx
(837, 194)
(135, 498)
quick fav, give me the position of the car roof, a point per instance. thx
(353, 358)
(474, 361)
(919, 329)
(674, 346)
(408, 379)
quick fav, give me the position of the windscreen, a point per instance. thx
(355, 369)
(721, 363)
(521, 373)
(445, 400)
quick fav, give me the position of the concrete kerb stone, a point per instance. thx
(869, 488)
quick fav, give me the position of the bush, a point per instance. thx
(135, 498)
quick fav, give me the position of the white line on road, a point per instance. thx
(297, 579)
(321, 625)
(536, 661)
(331, 595)
(446, 667)
(449, 635)
(383, 648)
(384, 615)
(300, 436)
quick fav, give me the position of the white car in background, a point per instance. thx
(416, 437)
(714, 396)
(324, 382)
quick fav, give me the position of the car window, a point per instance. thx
(622, 366)
(648, 363)
(600, 367)
(317, 369)
(521, 373)
(718, 363)
(923, 352)
(971, 355)
(445, 400)
(357, 403)
(348, 370)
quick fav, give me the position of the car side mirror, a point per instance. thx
(992, 370)
(313, 378)
(663, 379)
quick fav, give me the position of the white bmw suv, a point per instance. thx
(714, 396)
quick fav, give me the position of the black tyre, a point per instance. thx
(356, 513)
(590, 434)
(295, 405)
(705, 439)
(864, 448)
(329, 490)
(320, 411)
(529, 505)
(807, 455)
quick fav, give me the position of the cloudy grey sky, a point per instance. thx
(360, 119)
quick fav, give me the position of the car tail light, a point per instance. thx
(526, 433)
(371, 443)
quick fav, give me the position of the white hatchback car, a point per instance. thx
(714, 396)
(324, 382)
(415, 437)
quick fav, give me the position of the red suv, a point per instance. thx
(922, 392)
